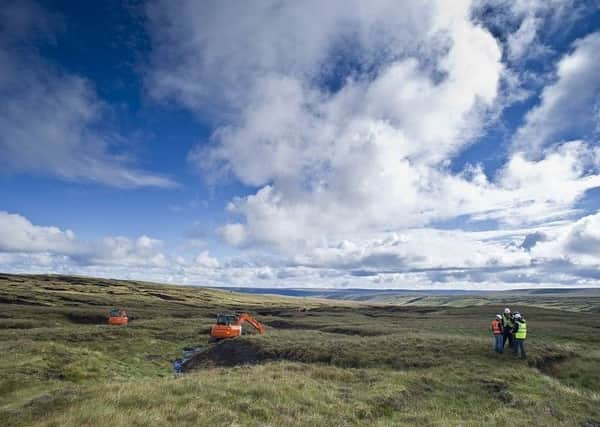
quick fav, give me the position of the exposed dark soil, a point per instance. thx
(77, 301)
(344, 330)
(386, 311)
(414, 300)
(549, 364)
(228, 353)
(241, 352)
(280, 313)
(269, 312)
(94, 319)
(499, 390)
(282, 324)
(17, 300)
(353, 331)
(185, 314)
(165, 297)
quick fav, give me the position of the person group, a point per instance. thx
(510, 327)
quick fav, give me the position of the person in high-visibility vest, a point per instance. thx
(497, 331)
(507, 328)
(520, 331)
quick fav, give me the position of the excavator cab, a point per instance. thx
(118, 317)
(225, 319)
(230, 325)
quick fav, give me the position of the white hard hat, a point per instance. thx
(499, 317)
(517, 315)
(507, 310)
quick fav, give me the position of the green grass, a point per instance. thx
(336, 363)
(587, 302)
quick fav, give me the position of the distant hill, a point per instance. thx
(571, 299)
(41, 291)
(365, 294)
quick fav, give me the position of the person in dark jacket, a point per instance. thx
(498, 335)
(507, 328)
(520, 333)
(178, 367)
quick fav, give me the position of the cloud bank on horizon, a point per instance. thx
(388, 144)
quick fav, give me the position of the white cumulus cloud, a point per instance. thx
(569, 104)
(18, 234)
(21, 240)
(343, 120)
(346, 123)
(205, 260)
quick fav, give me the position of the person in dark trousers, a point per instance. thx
(507, 328)
(520, 331)
(498, 335)
(178, 367)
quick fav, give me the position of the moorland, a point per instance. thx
(393, 361)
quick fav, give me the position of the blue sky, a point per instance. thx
(273, 144)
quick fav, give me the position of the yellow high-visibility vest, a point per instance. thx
(522, 332)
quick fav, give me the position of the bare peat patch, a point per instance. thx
(86, 318)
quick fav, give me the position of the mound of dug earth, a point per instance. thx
(87, 318)
(241, 351)
(228, 353)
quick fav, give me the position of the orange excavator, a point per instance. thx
(118, 317)
(230, 325)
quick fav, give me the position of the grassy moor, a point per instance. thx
(403, 361)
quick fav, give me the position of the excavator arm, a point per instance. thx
(245, 317)
(230, 326)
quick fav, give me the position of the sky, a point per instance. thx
(340, 144)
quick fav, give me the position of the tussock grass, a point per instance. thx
(285, 393)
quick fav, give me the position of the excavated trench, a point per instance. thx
(166, 297)
(86, 319)
(354, 331)
(549, 364)
(282, 324)
(241, 352)
(349, 330)
(227, 353)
